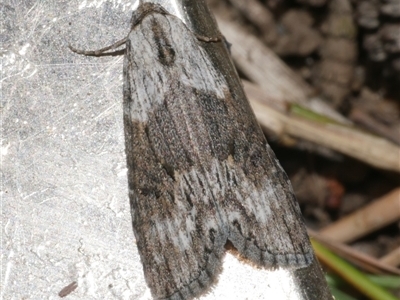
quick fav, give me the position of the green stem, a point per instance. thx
(351, 274)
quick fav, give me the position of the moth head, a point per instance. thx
(144, 9)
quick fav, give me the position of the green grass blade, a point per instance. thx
(351, 274)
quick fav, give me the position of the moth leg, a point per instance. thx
(216, 39)
(207, 39)
(101, 52)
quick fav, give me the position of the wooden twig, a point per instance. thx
(362, 260)
(378, 214)
(359, 116)
(264, 68)
(279, 84)
(392, 258)
(370, 149)
(259, 15)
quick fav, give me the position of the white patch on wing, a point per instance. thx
(150, 81)
(259, 219)
(255, 201)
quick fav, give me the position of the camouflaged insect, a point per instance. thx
(200, 171)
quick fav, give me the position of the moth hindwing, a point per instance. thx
(200, 171)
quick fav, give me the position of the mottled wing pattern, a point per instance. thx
(200, 170)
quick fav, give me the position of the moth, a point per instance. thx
(200, 171)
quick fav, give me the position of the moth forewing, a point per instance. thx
(200, 171)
